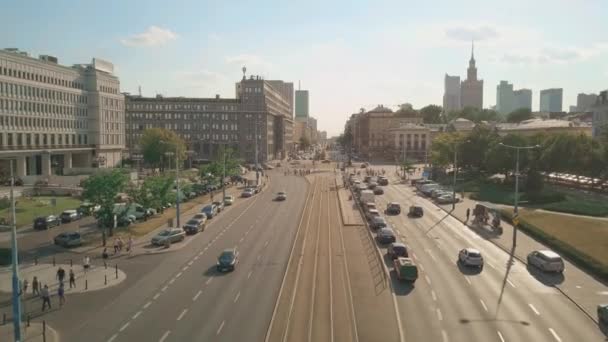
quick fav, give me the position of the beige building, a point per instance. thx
(410, 142)
(54, 118)
(549, 126)
(471, 89)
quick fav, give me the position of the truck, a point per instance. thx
(406, 269)
(367, 196)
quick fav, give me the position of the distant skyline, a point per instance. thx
(349, 55)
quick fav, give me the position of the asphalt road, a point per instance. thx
(180, 296)
(506, 301)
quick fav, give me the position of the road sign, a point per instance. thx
(515, 219)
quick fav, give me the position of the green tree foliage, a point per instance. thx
(474, 147)
(519, 115)
(304, 143)
(214, 171)
(155, 142)
(102, 188)
(431, 114)
(154, 192)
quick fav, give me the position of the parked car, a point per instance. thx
(200, 216)
(87, 208)
(229, 200)
(219, 205)
(371, 213)
(69, 216)
(446, 199)
(247, 193)
(386, 235)
(406, 269)
(396, 250)
(470, 257)
(393, 208)
(169, 235)
(194, 226)
(546, 261)
(46, 222)
(383, 181)
(415, 211)
(68, 239)
(602, 313)
(210, 210)
(378, 222)
(372, 185)
(281, 196)
(378, 191)
(227, 260)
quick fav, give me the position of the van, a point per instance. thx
(367, 196)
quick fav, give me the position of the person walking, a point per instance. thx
(60, 275)
(61, 295)
(120, 244)
(25, 285)
(35, 284)
(115, 246)
(46, 297)
(130, 245)
(86, 262)
(72, 278)
(468, 214)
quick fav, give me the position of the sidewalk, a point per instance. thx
(33, 333)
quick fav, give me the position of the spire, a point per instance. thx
(472, 50)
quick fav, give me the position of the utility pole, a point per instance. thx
(224, 178)
(177, 186)
(15, 264)
(257, 172)
(454, 185)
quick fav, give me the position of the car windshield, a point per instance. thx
(193, 222)
(474, 255)
(164, 233)
(208, 208)
(226, 256)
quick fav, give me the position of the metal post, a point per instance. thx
(43, 331)
(515, 209)
(105, 279)
(15, 265)
(116, 268)
(257, 172)
(454, 185)
(224, 178)
(177, 185)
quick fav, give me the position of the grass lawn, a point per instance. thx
(587, 235)
(29, 208)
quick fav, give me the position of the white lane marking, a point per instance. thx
(208, 281)
(249, 274)
(237, 297)
(196, 295)
(196, 257)
(500, 336)
(510, 283)
(601, 293)
(578, 286)
(490, 264)
(136, 314)
(165, 335)
(444, 335)
(433, 295)
(166, 287)
(266, 243)
(431, 254)
(156, 296)
(190, 263)
(204, 249)
(179, 274)
(113, 338)
(219, 330)
(467, 279)
(421, 267)
(241, 240)
(439, 315)
(483, 304)
(147, 304)
(124, 326)
(534, 309)
(181, 315)
(246, 233)
(555, 335)
(185, 268)
(259, 256)
(170, 282)
(428, 280)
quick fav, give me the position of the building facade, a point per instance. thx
(522, 98)
(551, 100)
(302, 104)
(451, 95)
(411, 142)
(504, 98)
(585, 101)
(471, 89)
(54, 118)
(600, 114)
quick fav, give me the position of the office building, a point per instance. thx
(600, 114)
(54, 118)
(302, 103)
(551, 100)
(451, 94)
(471, 89)
(522, 98)
(585, 101)
(504, 98)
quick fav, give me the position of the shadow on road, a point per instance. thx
(467, 321)
(604, 329)
(213, 272)
(509, 265)
(547, 279)
(468, 270)
(401, 288)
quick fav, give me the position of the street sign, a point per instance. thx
(515, 219)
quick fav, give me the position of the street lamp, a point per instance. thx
(169, 154)
(515, 218)
(456, 172)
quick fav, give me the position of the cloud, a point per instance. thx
(554, 54)
(153, 36)
(214, 37)
(464, 33)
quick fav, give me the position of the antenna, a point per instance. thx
(244, 71)
(139, 91)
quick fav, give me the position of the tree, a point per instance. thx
(442, 149)
(431, 114)
(473, 150)
(155, 142)
(102, 189)
(304, 143)
(214, 171)
(519, 115)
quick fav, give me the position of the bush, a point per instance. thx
(543, 197)
(5, 202)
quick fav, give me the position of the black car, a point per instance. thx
(194, 226)
(416, 211)
(227, 260)
(378, 191)
(393, 208)
(46, 222)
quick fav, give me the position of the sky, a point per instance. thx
(349, 54)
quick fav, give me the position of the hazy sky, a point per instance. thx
(349, 54)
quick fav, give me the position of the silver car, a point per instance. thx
(470, 257)
(170, 235)
(546, 261)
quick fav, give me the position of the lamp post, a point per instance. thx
(224, 178)
(515, 218)
(455, 173)
(169, 154)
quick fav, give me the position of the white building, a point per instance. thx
(451, 95)
(54, 118)
(504, 98)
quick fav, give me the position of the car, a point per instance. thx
(438, 192)
(446, 199)
(229, 200)
(396, 250)
(68, 239)
(69, 216)
(169, 235)
(371, 213)
(386, 235)
(378, 191)
(546, 261)
(367, 179)
(194, 226)
(602, 313)
(383, 181)
(393, 208)
(372, 185)
(325, 161)
(378, 222)
(247, 193)
(210, 210)
(368, 206)
(470, 257)
(415, 211)
(219, 205)
(227, 260)
(46, 222)
(281, 196)
(200, 216)
(405, 269)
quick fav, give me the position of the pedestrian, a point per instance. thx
(60, 274)
(103, 238)
(25, 284)
(61, 295)
(130, 244)
(86, 262)
(115, 246)
(35, 284)
(468, 213)
(46, 297)
(120, 244)
(104, 254)
(72, 278)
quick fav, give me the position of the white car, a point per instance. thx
(546, 261)
(470, 257)
(229, 200)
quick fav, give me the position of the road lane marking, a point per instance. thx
(500, 336)
(431, 254)
(534, 309)
(439, 315)
(185, 268)
(147, 304)
(113, 338)
(136, 314)
(490, 264)
(266, 243)
(246, 233)
(510, 283)
(196, 257)
(190, 263)
(170, 282)
(124, 326)
(241, 240)
(467, 279)
(208, 281)
(601, 293)
(181, 315)
(433, 295)
(219, 330)
(178, 275)
(259, 256)
(165, 335)
(555, 335)
(421, 267)
(237, 296)
(444, 335)
(156, 296)
(428, 280)
(483, 304)
(197, 294)
(249, 274)
(166, 287)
